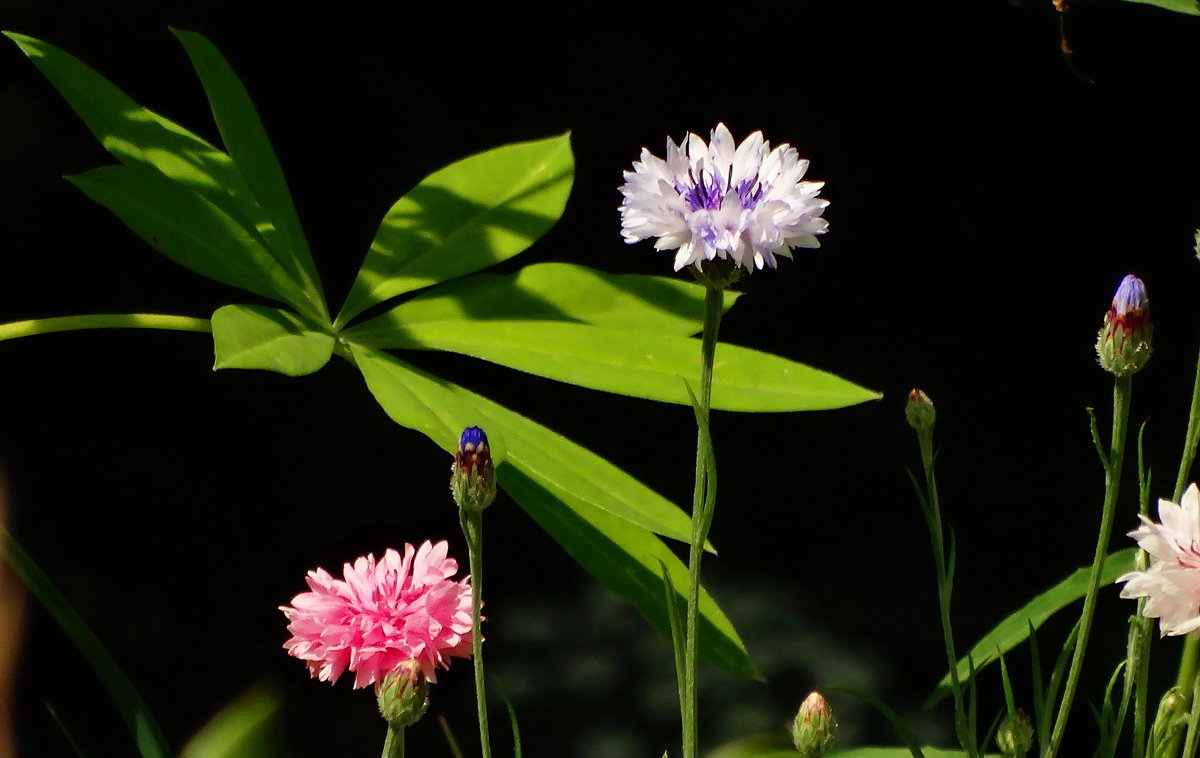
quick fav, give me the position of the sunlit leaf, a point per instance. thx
(1017, 627)
(247, 143)
(188, 229)
(139, 137)
(572, 493)
(465, 217)
(641, 364)
(246, 728)
(133, 709)
(1191, 7)
(554, 292)
(256, 336)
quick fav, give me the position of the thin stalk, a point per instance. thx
(961, 727)
(472, 525)
(31, 327)
(1193, 724)
(393, 744)
(1137, 648)
(1112, 481)
(713, 301)
(1190, 654)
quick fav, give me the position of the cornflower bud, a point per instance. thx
(1015, 735)
(403, 695)
(1124, 342)
(920, 412)
(473, 475)
(814, 727)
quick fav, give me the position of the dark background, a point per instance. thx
(985, 202)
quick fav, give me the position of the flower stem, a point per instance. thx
(966, 737)
(1190, 655)
(1112, 481)
(472, 526)
(393, 744)
(34, 326)
(713, 302)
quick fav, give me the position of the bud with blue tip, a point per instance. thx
(1124, 342)
(473, 475)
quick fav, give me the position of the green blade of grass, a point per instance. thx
(133, 709)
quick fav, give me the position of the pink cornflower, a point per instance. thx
(382, 615)
(1172, 583)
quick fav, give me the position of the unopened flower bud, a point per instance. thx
(473, 475)
(920, 411)
(1172, 716)
(1015, 735)
(814, 728)
(403, 695)
(1124, 342)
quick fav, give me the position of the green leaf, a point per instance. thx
(1017, 627)
(256, 336)
(133, 709)
(247, 142)
(641, 364)
(912, 747)
(899, 752)
(245, 728)
(554, 292)
(465, 217)
(441, 410)
(1191, 7)
(599, 514)
(139, 137)
(188, 229)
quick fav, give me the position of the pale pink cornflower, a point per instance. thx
(1171, 585)
(382, 615)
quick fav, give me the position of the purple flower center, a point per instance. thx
(708, 192)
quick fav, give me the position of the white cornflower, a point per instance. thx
(713, 200)
(1172, 583)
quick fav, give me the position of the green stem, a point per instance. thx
(472, 525)
(393, 744)
(1193, 725)
(16, 329)
(962, 729)
(1190, 655)
(713, 301)
(1112, 482)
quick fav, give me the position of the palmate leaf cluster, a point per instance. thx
(227, 213)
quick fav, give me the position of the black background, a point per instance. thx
(985, 202)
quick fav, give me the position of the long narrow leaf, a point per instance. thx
(245, 728)
(137, 136)
(1016, 628)
(910, 742)
(1190, 7)
(133, 709)
(469, 215)
(570, 492)
(247, 143)
(553, 292)
(637, 363)
(440, 410)
(190, 230)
